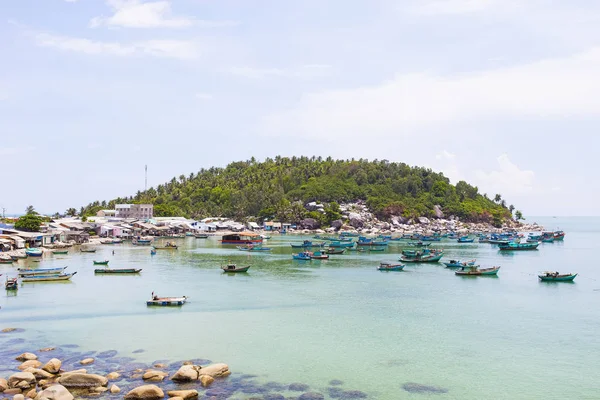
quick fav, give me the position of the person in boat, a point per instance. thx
(154, 297)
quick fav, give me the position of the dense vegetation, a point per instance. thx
(278, 188)
(29, 222)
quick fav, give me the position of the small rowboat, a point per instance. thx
(234, 268)
(48, 278)
(556, 277)
(428, 258)
(518, 246)
(465, 239)
(384, 266)
(60, 251)
(336, 251)
(88, 250)
(474, 270)
(105, 262)
(34, 252)
(166, 301)
(11, 284)
(40, 271)
(118, 271)
(419, 244)
(6, 260)
(317, 255)
(167, 247)
(304, 256)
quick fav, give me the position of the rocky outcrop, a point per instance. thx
(309, 223)
(184, 394)
(26, 357)
(145, 392)
(54, 392)
(216, 370)
(337, 224)
(21, 380)
(75, 380)
(437, 210)
(3, 385)
(356, 220)
(40, 373)
(52, 366)
(186, 373)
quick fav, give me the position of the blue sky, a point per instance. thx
(502, 93)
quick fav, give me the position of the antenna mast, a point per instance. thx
(146, 180)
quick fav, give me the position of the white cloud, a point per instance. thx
(158, 48)
(203, 96)
(307, 71)
(138, 14)
(445, 155)
(558, 88)
(508, 179)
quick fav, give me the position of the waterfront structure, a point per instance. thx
(136, 211)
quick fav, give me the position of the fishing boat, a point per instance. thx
(550, 276)
(48, 278)
(253, 248)
(386, 266)
(33, 252)
(458, 263)
(105, 262)
(118, 271)
(201, 236)
(559, 235)
(465, 239)
(376, 248)
(358, 249)
(474, 270)
(242, 238)
(548, 240)
(234, 268)
(141, 242)
(6, 260)
(40, 271)
(166, 301)
(304, 256)
(167, 246)
(87, 250)
(332, 250)
(419, 244)
(341, 245)
(18, 256)
(318, 255)
(117, 241)
(305, 244)
(60, 251)
(518, 246)
(422, 257)
(431, 238)
(11, 284)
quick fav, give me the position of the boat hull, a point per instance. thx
(48, 278)
(167, 302)
(233, 270)
(568, 278)
(46, 271)
(118, 271)
(391, 267)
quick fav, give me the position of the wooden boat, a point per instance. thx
(48, 278)
(117, 241)
(376, 248)
(559, 235)
(201, 236)
(6, 260)
(242, 238)
(305, 244)
(32, 252)
(549, 276)
(304, 256)
(40, 271)
(166, 301)
(141, 242)
(87, 250)
(118, 271)
(385, 266)
(474, 270)
(105, 262)
(332, 250)
(423, 258)
(518, 246)
(341, 245)
(60, 251)
(167, 246)
(16, 257)
(253, 248)
(11, 284)
(318, 255)
(465, 239)
(234, 268)
(498, 241)
(458, 263)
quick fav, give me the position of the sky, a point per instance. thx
(504, 94)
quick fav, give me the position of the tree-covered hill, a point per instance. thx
(277, 188)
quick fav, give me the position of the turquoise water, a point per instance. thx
(509, 337)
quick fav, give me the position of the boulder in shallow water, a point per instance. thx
(216, 370)
(114, 389)
(86, 361)
(30, 364)
(26, 357)
(412, 387)
(40, 373)
(3, 385)
(32, 394)
(184, 394)
(145, 392)
(187, 373)
(311, 396)
(52, 366)
(82, 380)
(206, 380)
(298, 387)
(21, 380)
(113, 376)
(47, 349)
(8, 330)
(54, 392)
(153, 375)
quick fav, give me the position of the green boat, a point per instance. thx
(422, 258)
(105, 262)
(518, 246)
(556, 277)
(60, 251)
(118, 271)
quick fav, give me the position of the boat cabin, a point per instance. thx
(242, 238)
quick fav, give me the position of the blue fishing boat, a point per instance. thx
(318, 255)
(518, 246)
(305, 244)
(458, 263)
(11, 284)
(33, 252)
(559, 235)
(343, 245)
(556, 277)
(166, 301)
(426, 256)
(431, 238)
(386, 266)
(465, 239)
(419, 244)
(304, 256)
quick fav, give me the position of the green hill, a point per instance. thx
(278, 188)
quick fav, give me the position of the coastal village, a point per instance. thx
(131, 221)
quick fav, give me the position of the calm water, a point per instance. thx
(509, 337)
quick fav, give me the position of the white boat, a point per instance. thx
(166, 301)
(48, 278)
(40, 271)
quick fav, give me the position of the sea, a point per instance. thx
(336, 327)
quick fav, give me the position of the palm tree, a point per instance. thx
(497, 198)
(30, 210)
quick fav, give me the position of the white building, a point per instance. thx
(136, 211)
